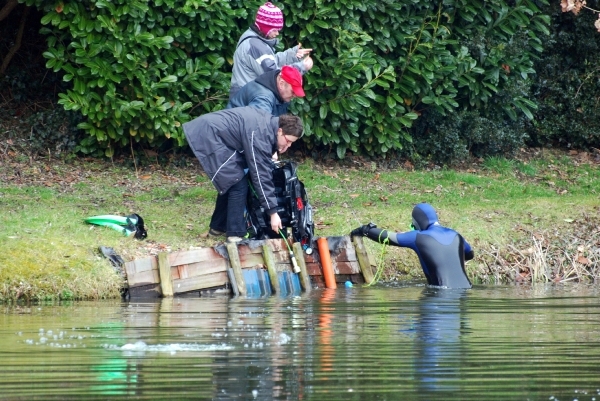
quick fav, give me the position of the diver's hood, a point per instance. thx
(423, 215)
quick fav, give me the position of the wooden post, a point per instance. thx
(164, 272)
(236, 265)
(304, 279)
(269, 259)
(363, 259)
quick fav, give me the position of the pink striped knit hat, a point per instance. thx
(269, 18)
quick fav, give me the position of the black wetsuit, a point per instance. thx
(441, 250)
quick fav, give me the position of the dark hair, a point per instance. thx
(291, 125)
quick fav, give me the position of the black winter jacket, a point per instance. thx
(261, 93)
(228, 141)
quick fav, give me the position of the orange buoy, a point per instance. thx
(328, 274)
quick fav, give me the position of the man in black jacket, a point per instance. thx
(272, 91)
(230, 142)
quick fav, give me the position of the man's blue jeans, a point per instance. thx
(229, 210)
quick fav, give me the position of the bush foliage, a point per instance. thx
(568, 82)
(139, 69)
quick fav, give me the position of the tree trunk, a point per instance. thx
(8, 7)
(17, 45)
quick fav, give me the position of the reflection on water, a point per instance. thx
(385, 343)
(439, 327)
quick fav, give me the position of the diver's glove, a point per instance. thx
(469, 255)
(362, 231)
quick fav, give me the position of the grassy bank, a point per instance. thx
(535, 218)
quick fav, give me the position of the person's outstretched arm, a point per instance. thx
(376, 234)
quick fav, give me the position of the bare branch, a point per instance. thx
(17, 44)
(8, 7)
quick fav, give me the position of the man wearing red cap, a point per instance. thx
(255, 52)
(272, 91)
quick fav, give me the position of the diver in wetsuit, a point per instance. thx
(441, 250)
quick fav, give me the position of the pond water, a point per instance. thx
(377, 343)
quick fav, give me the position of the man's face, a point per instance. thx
(285, 90)
(284, 141)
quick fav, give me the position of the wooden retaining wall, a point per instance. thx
(189, 273)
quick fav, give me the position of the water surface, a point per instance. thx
(377, 343)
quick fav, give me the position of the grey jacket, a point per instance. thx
(255, 55)
(262, 93)
(228, 141)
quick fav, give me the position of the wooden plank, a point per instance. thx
(198, 269)
(193, 256)
(234, 261)
(270, 263)
(346, 254)
(251, 260)
(312, 258)
(143, 278)
(164, 271)
(346, 267)
(363, 259)
(276, 244)
(200, 282)
(284, 267)
(256, 247)
(141, 265)
(304, 279)
(244, 250)
(313, 269)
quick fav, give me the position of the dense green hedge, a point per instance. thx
(140, 69)
(567, 84)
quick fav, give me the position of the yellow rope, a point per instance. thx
(380, 264)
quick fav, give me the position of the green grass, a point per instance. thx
(48, 252)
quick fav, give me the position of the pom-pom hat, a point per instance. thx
(269, 18)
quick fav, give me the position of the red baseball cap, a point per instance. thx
(293, 77)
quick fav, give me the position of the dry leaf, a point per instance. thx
(146, 177)
(583, 260)
(354, 195)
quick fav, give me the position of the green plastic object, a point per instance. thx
(127, 225)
